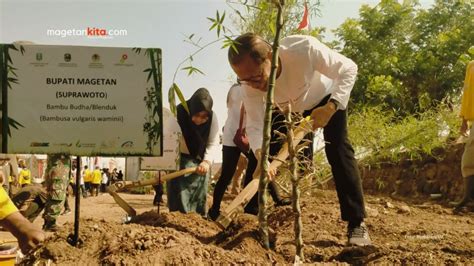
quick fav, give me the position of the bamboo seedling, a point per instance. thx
(293, 167)
(264, 165)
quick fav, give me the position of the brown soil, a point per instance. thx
(426, 233)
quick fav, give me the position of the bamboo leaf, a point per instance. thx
(191, 70)
(13, 123)
(137, 50)
(222, 18)
(150, 73)
(213, 26)
(14, 80)
(228, 42)
(9, 58)
(172, 100)
(11, 46)
(272, 28)
(181, 97)
(12, 70)
(199, 71)
(156, 110)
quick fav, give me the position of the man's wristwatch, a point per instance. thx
(335, 102)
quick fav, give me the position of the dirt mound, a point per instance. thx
(168, 238)
(402, 233)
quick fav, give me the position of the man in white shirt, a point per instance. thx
(316, 81)
(230, 158)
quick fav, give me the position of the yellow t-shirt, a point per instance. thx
(97, 177)
(87, 175)
(6, 205)
(467, 104)
(24, 177)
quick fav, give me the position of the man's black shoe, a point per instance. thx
(211, 214)
(251, 210)
(283, 202)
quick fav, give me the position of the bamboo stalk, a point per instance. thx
(264, 165)
(156, 74)
(4, 87)
(293, 167)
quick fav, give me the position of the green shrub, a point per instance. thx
(380, 136)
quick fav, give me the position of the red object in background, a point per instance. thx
(304, 24)
(40, 168)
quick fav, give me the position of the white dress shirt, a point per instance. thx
(234, 102)
(310, 72)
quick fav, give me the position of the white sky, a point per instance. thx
(158, 23)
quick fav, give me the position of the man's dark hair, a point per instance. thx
(249, 44)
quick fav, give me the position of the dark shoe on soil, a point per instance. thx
(50, 227)
(283, 202)
(212, 214)
(251, 210)
(468, 195)
(358, 235)
(458, 210)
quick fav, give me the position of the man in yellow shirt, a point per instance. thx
(24, 176)
(87, 176)
(467, 115)
(28, 235)
(96, 180)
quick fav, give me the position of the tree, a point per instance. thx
(256, 16)
(404, 52)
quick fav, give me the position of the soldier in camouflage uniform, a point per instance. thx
(8, 169)
(57, 180)
(4, 175)
(31, 200)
